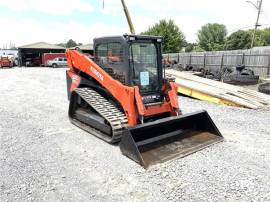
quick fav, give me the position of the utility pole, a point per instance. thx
(130, 24)
(131, 27)
(259, 8)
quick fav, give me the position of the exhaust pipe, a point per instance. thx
(165, 139)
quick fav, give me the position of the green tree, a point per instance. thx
(173, 37)
(264, 37)
(198, 49)
(61, 44)
(258, 38)
(189, 47)
(239, 40)
(212, 37)
(71, 43)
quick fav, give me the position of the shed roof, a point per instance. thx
(41, 45)
(84, 47)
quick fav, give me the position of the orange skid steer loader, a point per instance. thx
(123, 95)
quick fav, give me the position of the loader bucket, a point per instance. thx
(167, 138)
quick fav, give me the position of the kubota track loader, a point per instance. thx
(123, 95)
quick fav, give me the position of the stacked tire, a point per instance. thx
(239, 75)
(264, 88)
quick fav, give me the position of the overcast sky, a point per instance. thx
(54, 21)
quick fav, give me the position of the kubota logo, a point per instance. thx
(99, 75)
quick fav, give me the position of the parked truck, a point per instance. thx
(51, 56)
(5, 62)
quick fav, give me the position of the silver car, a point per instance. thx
(57, 62)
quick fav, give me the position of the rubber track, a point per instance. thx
(116, 118)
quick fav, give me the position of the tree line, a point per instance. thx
(69, 44)
(210, 37)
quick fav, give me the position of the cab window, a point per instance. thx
(115, 52)
(109, 56)
(109, 53)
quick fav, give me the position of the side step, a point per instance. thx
(165, 139)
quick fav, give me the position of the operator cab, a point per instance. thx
(134, 60)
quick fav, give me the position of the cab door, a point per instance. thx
(110, 56)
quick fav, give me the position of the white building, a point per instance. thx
(8, 52)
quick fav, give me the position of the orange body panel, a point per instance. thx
(75, 80)
(158, 109)
(129, 97)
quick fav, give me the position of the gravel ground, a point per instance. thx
(45, 158)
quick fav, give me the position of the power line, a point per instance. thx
(246, 27)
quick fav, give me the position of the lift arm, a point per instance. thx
(123, 94)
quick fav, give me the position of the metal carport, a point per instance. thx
(31, 54)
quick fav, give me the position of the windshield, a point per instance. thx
(143, 59)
